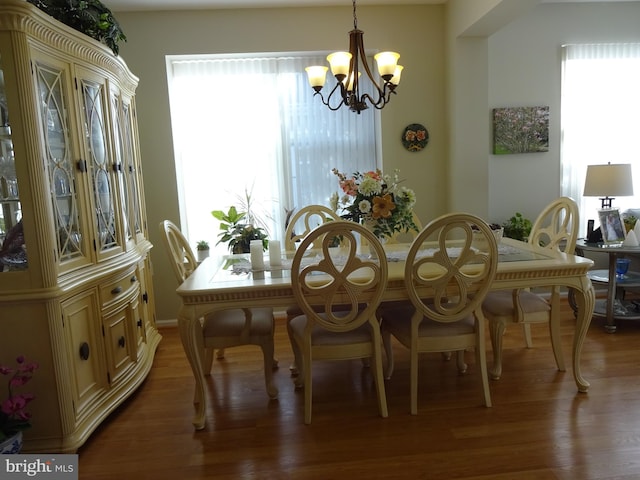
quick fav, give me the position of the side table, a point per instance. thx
(614, 306)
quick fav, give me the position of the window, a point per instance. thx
(253, 125)
(600, 118)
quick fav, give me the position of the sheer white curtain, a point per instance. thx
(252, 124)
(600, 118)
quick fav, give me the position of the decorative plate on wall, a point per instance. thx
(415, 137)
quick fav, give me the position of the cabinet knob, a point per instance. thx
(84, 351)
(134, 279)
(116, 290)
(121, 341)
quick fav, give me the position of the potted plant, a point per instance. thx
(13, 417)
(202, 250)
(90, 17)
(517, 227)
(236, 233)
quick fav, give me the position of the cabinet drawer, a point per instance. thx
(118, 288)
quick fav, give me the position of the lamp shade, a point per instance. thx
(608, 181)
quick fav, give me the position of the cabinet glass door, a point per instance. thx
(100, 165)
(121, 161)
(13, 254)
(132, 165)
(54, 115)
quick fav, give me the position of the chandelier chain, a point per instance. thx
(355, 19)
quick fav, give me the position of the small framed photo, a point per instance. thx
(611, 225)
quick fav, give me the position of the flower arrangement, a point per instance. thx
(377, 200)
(13, 417)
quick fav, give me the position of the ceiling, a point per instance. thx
(142, 5)
(146, 5)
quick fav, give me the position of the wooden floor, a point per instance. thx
(539, 428)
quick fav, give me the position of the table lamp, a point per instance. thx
(608, 181)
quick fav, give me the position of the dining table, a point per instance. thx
(226, 282)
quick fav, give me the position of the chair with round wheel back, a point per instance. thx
(225, 328)
(556, 228)
(447, 279)
(337, 276)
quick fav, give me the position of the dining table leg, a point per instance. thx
(585, 301)
(193, 344)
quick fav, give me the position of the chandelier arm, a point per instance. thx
(343, 97)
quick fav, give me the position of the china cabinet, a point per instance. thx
(75, 275)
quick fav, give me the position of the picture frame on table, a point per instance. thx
(611, 225)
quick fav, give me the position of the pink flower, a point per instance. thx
(349, 186)
(13, 416)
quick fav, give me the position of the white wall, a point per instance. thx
(525, 70)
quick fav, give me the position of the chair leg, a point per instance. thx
(220, 354)
(267, 353)
(298, 380)
(414, 380)
(481, 356)
(378, 376)
(308, 387)
(496, 332)
(388, 350)
(526, 329)
(462, 366)
(208, 360)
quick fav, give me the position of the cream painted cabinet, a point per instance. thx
(75, 274)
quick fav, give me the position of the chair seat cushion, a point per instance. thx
(321, 336)
(397, 320)
(500, 303)
(232, 322)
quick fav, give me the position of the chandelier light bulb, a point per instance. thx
(317, 75)
(387, 62)
(395, 80)
(340, 62)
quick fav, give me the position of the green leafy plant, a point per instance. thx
(517, 227)
(13, 416)
(629, 222)
(90, 17)
(236, 233)
(202, 245)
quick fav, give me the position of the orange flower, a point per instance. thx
(382, 206)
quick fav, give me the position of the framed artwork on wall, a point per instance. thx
(611, 225)
(520, 130)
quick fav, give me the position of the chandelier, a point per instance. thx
(348, 67)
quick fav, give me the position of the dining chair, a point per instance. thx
(446, 279)
(225, 328)
(298, 227)
(332, 276)
(555, 229)
(305, 220)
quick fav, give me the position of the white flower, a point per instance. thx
(409, 195)
(333, 201)
(364, 206)
(370, 186)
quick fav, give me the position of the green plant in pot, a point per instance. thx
(90, 17)
(517, 227)
(236, 233)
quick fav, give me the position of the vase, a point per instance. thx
(12, 445)
(369, 224)
(201, 255)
